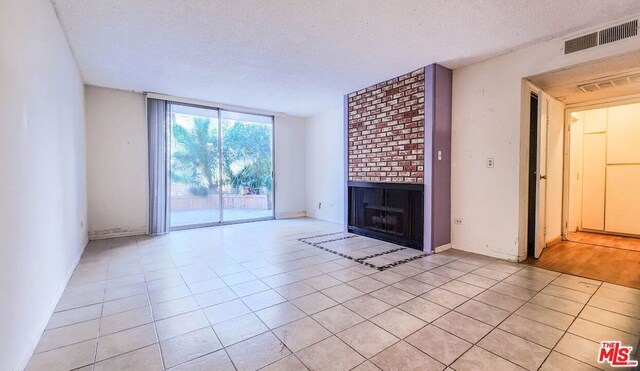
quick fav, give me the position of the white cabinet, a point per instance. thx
(595, 120)
(611, 169)
(623, 199)
(623, 134)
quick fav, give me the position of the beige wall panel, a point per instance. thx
(575, 173)
(593, 188)
(623, 199)
(623, 134)
(595, 120)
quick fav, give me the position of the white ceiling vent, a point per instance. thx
(605, 36)
(604, 84)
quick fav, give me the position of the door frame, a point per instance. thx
(219, 114)
(536, 218)
(529, 89)
(569, 109)
(533, 161)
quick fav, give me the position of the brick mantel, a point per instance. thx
(386, 131)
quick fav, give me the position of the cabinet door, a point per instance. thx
(623, 199)
(623, 135)
(593, 188)
(595, 120)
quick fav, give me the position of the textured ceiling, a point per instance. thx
(564, 84)
(300, 57)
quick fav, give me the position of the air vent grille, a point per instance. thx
(605, 84)
(608, 35)
(618, 32)
(581, 43)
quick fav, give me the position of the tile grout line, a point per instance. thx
(528, 301)
(223, 348)
(328, 273)
(468, 299)
(95, 353)
(496, 326)
(568, 327)
(155, 328)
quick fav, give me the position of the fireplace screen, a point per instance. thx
(390, 212)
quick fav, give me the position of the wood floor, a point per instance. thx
(614, 265)
(607, 240)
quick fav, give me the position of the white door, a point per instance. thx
(541, 172)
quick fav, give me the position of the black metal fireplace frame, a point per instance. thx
(388, 237)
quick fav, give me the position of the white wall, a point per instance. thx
(43, 209)
(324, 165)
(289, 166)
(116, 162)
(488, 121)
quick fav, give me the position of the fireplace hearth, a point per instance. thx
(390, 212)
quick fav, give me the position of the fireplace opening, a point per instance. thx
(389, 212)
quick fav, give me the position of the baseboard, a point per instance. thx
(291, 214)
(117, 232)
(442, 248)
(43, 322)
(610, 233)
(491, 254)
(554, 240)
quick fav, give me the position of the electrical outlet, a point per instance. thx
(458, 221)
(490, 162)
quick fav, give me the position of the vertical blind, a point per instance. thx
(158, 150)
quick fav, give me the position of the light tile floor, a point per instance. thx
(254, 296)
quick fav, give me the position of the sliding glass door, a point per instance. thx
(195, 162)
(221, 166)
(247, 176)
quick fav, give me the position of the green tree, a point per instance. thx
(246, 155)
(194, 154)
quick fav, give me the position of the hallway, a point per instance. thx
(609, 264)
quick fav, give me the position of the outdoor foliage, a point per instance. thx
(246, 154)
(195, 154)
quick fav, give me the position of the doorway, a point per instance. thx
(221, 166)
(604, 175)
(545, 116)
(533, 176)
(592, 170)
(590, 173)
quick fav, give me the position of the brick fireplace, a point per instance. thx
(386, 131)
(398, 165)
